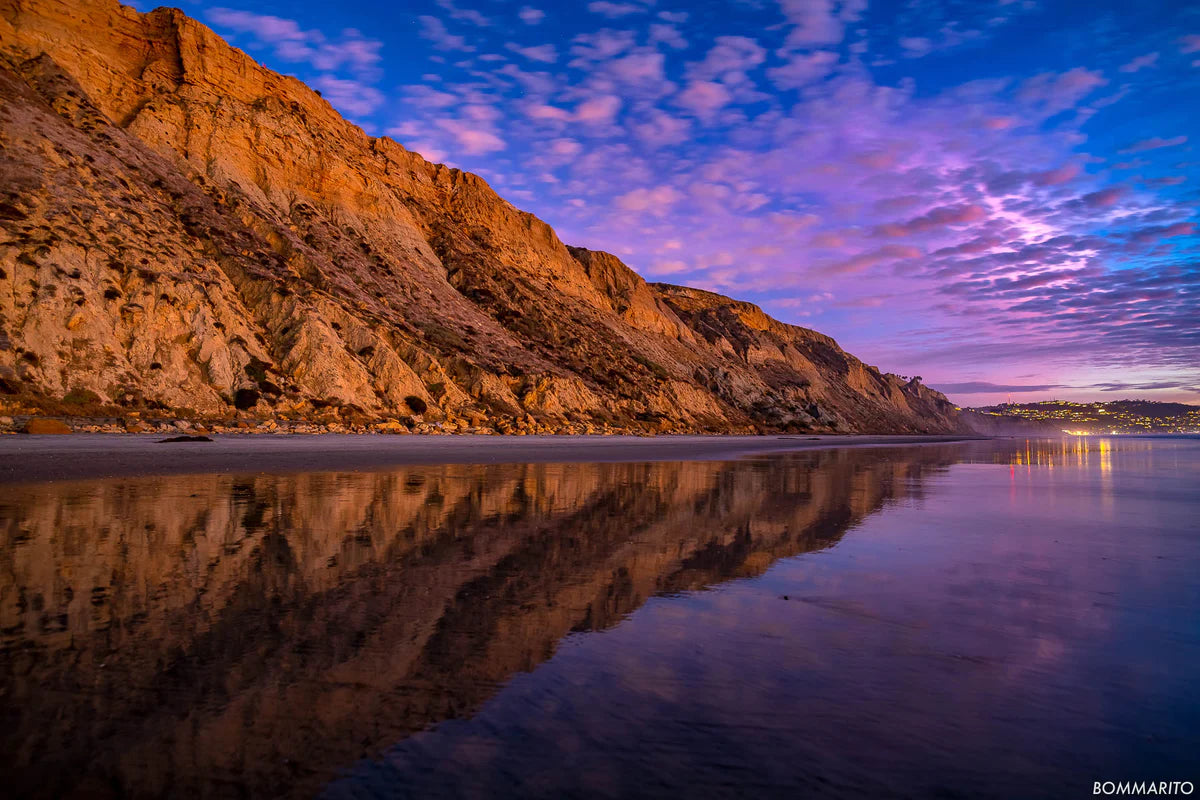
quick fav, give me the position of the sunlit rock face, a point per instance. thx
(193, 633)
(181, 228)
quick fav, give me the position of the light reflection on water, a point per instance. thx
(988, 619)
(1079, 451)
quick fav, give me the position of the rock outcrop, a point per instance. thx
(185, 232)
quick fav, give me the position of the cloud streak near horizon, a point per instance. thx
(995, 193)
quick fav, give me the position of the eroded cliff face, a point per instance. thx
(182, 230)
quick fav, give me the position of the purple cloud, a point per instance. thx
(531, 16)
(1105, 198)
(1154, 143)
(291, 43)
(1050, 93)
(616, 10)
(1140, 63)
(985, 387)
(814, 22)
(350, 96)
(434, 30)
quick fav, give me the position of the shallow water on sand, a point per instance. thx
(982, 619)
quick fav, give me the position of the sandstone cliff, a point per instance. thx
(184, 232)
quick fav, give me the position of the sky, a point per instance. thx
(1000, 195)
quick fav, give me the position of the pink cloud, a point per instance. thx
(1167, 180)
(1052, 92)
(1140, 63)
(469, 15)
(542, 111)
(814, 22)
(566, 147)
(349, 96)
(1166, 232)
(916, 46)
(864, 261)
(292, 43)
(474, 132)
(429, 151)
(937, 218)
(728, 60)
(600, 45)
(1055, 177)
(828, 240)
(615, 10)
(638, 68)
(1105, 198)
(657, 200)
(704, 98)
(434, 30)
(543, 53)
(803, 68)
(598, 110)
(1154, 143)
(668, 35)
(661, 129)
(877, 159)
(531, 16)
(266, 28)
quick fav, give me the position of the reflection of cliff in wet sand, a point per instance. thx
(192, 635)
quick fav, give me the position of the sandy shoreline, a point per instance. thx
(42, 458)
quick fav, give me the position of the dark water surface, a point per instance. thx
(983, 619)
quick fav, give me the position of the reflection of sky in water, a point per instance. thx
(995, 618)
(1004, 633)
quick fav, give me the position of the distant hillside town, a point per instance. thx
(1117, 417)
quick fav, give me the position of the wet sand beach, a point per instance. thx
(42, 458)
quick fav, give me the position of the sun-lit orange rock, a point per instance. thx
(184, 229)
(41, 426)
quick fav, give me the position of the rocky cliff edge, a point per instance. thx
(184, 233)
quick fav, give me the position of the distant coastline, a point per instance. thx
(1110, 418)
